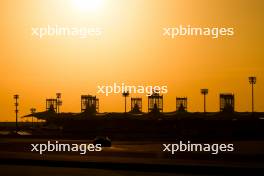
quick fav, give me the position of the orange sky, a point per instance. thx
(131, 50)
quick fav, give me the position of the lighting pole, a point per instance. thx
(252, 81)
(59, 102)
(125, 94)
(33, 110)
(16, 97)
(204, 92)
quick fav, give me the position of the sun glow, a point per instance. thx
(87, 5)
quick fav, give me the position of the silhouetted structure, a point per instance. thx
(204, 92)
(89, 104)
(155, 103)
(136, 105)
(59, 102)
(51, 104)
(125, 94)
(227, 102)
(252, 81)
(33, 111)
(181, 104)
(16, 97)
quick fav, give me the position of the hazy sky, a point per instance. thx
(132, 50)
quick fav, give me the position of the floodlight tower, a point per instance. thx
(33, 111)
(252, 81)
(16, 97)
(204, 92)
(125, 94)
(59, 102)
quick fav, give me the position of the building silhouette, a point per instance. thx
(89, 104)
(155, 103)
(181, 104)
(136, 105)
(227, 102)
